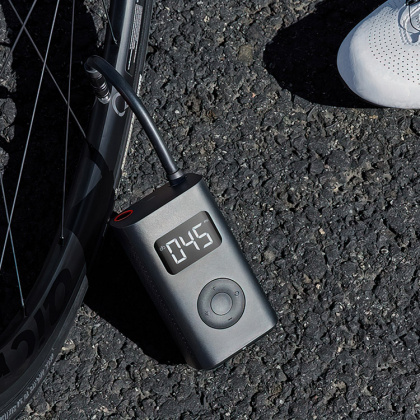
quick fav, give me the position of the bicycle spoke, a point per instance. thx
(67, 123)
(17, 38)
(47, 68)
(109, 23)
(22, 301)
(29, 135)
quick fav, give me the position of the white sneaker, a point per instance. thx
(380, 58)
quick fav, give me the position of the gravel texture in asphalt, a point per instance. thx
(320, 189)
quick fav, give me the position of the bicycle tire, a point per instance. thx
(31, 343)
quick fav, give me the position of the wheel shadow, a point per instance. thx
(37, 209)
(115, 293)
(302, 57)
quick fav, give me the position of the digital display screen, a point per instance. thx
(188, 242)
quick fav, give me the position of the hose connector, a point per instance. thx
(99, 84)
(176, 178)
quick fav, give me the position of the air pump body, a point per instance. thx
(193, 269)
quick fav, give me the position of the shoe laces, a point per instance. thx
(410, 3)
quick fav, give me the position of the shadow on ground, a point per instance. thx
(115, 292)
(117, 295)
(302, 57)
(33, 178)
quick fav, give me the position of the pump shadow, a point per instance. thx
(302, 58)
(117, 295)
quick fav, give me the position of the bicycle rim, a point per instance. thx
(33, 338)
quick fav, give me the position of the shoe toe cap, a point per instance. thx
(380, 63)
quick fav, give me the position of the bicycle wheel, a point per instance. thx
(34, 328)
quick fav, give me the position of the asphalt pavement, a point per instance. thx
(321, 191)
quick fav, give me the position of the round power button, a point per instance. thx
(221, 303)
